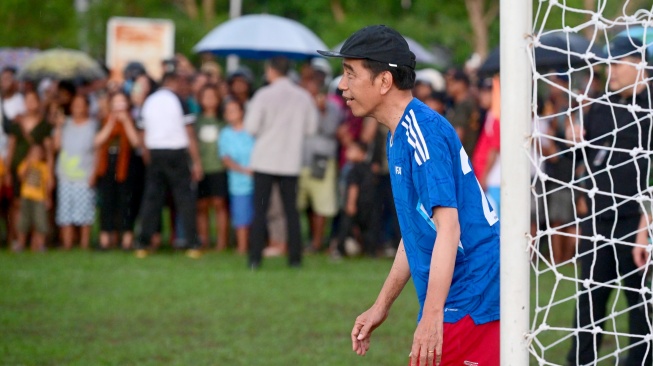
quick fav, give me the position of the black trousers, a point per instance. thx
(116, 200)
(262, 189)
(171, 169)
(601, 266)
(368, 220)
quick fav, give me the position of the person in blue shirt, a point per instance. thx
(450, 232)
(236, 147)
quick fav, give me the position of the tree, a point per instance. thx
(480, 19)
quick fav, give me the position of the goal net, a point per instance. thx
(590, 151)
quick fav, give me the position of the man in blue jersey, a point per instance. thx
(450, 244)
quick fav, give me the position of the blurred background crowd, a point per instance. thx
(75, 156)
(267, 156)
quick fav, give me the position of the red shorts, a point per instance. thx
(468, 344)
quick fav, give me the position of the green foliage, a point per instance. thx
(54, 23)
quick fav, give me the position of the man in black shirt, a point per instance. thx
(617, 135)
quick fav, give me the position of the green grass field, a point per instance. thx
(92, 308)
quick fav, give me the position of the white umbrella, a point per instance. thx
(261, 36)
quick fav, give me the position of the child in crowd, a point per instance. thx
(235, 149)
(34, 177)
(212, 189)
(360, 202)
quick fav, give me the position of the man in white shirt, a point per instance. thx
(280, 116)
(172, 161)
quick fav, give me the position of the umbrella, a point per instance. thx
(15, 57)
(553, 52)
(261, 36)
(61, 64)
(421, 54)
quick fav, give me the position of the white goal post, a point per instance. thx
(516, 85)
(577, 144)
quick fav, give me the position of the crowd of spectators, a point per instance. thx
(238, 167)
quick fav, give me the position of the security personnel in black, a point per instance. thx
(617, 131)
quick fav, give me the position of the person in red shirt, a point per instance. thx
(485, 159)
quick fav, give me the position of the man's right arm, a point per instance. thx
(374, 316)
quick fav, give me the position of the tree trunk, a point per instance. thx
(589, 5)
(475, 11)
(338, 11)
(191, 9)
(208, 8)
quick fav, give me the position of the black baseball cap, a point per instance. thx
(377, 43)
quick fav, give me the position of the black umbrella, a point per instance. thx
(554, 57)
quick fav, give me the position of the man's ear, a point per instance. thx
(386, 80)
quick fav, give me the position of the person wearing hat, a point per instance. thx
(619, 177)
(450, 244)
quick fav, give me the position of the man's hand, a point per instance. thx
(363, 328)
(640, 250)
(640, 256)
(427, 342)
(575, 133)
(196, 172)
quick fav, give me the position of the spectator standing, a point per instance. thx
(616, 212)
(318, 177)
(464, 114)
(279, 116)
(485, 160)
(361, 208)
(240, 85)
(235, 150)
(173, 161)
(212, 189)
(115, 145)
(27, 129)
(13, 103)
(35, 176)
(74, 138)
(559, 199)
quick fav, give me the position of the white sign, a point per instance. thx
(148, 41)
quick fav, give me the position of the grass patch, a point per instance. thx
(90, 308)
(86, 308)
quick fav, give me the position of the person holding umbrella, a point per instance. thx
(279, 116)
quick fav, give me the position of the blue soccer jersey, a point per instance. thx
(429, 168)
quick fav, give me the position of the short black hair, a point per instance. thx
(280, 64)
(402, 76)
(169, 76)
(10, 69)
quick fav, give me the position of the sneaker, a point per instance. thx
(335, 256)
(141, 253)
(194, 253)
(254, 266)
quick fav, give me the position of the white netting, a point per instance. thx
(590, 187)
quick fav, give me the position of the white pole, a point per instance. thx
(516, 85)
(235, 10)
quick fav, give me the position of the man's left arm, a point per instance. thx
(193, 151)
(427, 341)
